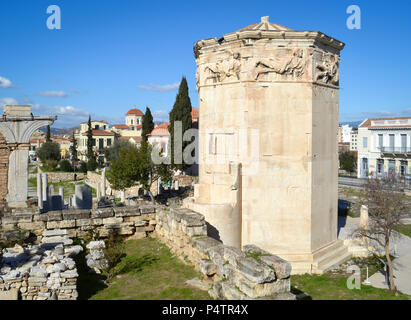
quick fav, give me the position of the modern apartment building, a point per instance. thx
(384, 147)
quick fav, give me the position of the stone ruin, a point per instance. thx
(16, 127)
(268, 100)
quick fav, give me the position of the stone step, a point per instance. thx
(330, 256)
(334, 263)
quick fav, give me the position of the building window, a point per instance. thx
(365, 142)
(131, 121)
(100, 143)
(97, 127)
(94, 142)
(380, 140)
(108, 142)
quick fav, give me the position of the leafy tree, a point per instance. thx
(90, 152)
(135, 167)
(347, 161)
(148, 124)
(74, 152)
(113, 153)
(386, 205)
(49, 151)
(92, 164)
(65, 166)
(181, 112)
(83, 167)
(48, 134)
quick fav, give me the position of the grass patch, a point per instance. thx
(256, 255)
(150, 271)
(333, 284)
(405, 230)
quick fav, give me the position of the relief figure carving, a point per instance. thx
(292, 64)
(327, 71)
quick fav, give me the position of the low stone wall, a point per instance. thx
(40, 272)
(126, 221)
(54, 177)
(232, 273)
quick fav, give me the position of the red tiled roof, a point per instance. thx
(95, 121)
(160, 130)
(121, 126)
(100, 133)
(135, 112)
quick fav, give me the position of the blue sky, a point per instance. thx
(110, 56)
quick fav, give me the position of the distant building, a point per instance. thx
(343, 147)
(354, 140)
(346, 133)
(384, 147)
(160, 136)
(37, 141)
(102, 138)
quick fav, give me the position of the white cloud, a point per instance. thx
(7, 101)
(160, 88)
(69, 116)
(5, 83)
(53, 94)
(161, 115)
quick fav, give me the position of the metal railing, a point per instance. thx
(395, 149)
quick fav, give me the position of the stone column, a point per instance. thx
(61, 193)
(98, 187)
(103, 182)
(39, 191)
(17, 125)
(17, 182)
(364, 217)
(50, 195)
(123, 196)
(45, 187)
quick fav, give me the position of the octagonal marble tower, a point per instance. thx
(268, 142)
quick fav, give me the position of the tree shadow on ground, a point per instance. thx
(88, 283)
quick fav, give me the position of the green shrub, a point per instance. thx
(83, 167)
(65, 166)
(50, 166)
(113, 252)
(92, 164)
(49, 151)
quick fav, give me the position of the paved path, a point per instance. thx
(401, 265)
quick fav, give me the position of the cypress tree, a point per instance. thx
(181, 112)
(48, 134)
(148, 124)
(74, 153)
(90, 153)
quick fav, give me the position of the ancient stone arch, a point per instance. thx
(16, 127)
(4, 163)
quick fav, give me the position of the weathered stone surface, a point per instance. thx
(127, 212)
(61, 224)
(147, 209)
(282, 267)
(55, 232)
(54, 216)
(203, 244)
(207, 267)
(255, 271)
(95, 245)
(102, 213)
(112, 221)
